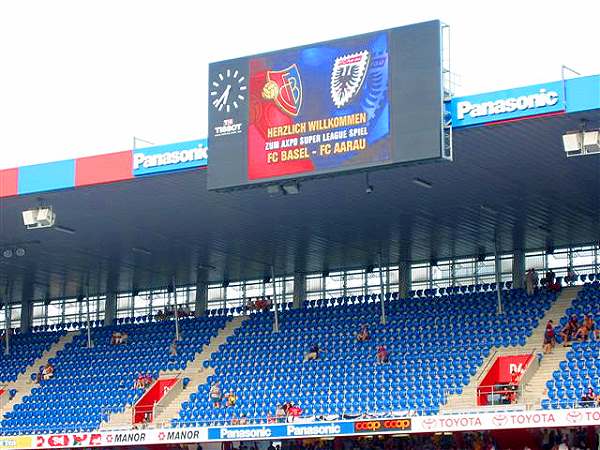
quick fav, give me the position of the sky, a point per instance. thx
(83, 77)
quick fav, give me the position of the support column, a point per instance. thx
(7, 318)
(110, 308)
(299, 289)
(26, 316)
(382, 292)
(275, 303)
(404, 279)
(201, 300)
(27, 307)
(518, 268)
(110, 304)
(498, 266)
(176, 307)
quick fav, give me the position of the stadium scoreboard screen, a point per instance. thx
(349, 104)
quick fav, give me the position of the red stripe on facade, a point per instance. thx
(9, 182)
(103, 168)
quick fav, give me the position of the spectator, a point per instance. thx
(124, 338)
(173, 347)
(585, 329)
(571, 277)
(363, 335)
(313, 353)
(3, 337)
(286, 407)
(144, 381)
(588, 400)
(38, 375)
(569, 330)
(48, 372)
(215, 394)
(115, 338)
(531, 281)
(243, 420)
(280, 414)
(231, 399)
(550, 278)
(383, 357)
(294, 411)
(262, 304)
(549, 337)
(139, 382)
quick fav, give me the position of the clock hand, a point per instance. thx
(218, 103)
(226, 93)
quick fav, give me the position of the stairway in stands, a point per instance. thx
(535, 388)
(168, 408)
(24, 384)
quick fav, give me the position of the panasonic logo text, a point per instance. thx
(140, 159)
(540, 99)
(245, 433)
(313, 430)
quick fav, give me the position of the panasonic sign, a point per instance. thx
(313, 430)
(167, 158)
(505, 105)
(245, 433)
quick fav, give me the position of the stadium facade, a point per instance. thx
(138, 232)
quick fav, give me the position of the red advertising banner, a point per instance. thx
(500, 374)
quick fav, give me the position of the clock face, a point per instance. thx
(228, 90)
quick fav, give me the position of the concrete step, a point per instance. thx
(169, 409)
(535, 390)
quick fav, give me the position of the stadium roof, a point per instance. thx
(509, 182)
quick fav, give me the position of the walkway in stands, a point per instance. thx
(196, 371)
(24, 382)
(534, 390)
(580, 368)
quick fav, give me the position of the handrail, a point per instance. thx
(491, 359)
(504, 392)
(166, 399)
(484, 408)
(531, 369)
(4, 399)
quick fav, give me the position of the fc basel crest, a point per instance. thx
(285, 89)
(347, 76)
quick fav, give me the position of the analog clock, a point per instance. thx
(228, 90)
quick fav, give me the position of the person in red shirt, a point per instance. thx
(514, 378)
(383, 356)
(294, 411)
(549, 337)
